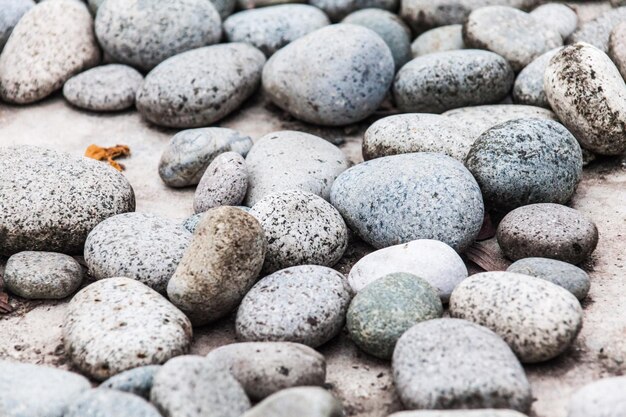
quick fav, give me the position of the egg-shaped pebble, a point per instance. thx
(528, 88)
(558, 17)
(110, 403)
(301, 402)
(224, 183)
(443, 38)
(601, 398)
(563, 274)
(136, 381)
(12, 12)
(617, 47)
(598, 31)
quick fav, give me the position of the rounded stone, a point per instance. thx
(42, 275)
(489, 412)
(313, 78)
(136, 381)
(601, 398)
(587, 92)
(547, 231)
(313, 301)
(110, 403)
(301, 402)
(271, 28)
(44, 208)
(338, 9)
(558, 17)
(539, 320)
(148, 329)
(224, 183)
(617, 48)
(12, 12)
(526, 161)
(199, 87)
(143, 33)
(442, 81)
(598, 31)
(528, 88)
(301, 229)
(106, 88)
(565, 275)
(444, 38)
(450, 364)
(224, 7)
(220, 265)
(396, 199)
(277, 365)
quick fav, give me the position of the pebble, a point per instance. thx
(301, 229)
(192, 386)
(224, 183)
(528, 88)
(220, 265)
(526, 161)
(539, 320)
(444, 38)
(50, 209)
(140, 246)
(191, 222)
(338, 9)
(380, 313)
(490, 412)
(313, 78)
(148, 329)
(145, 33)
(106, 88)
(301, 402)
(446, 80)
(271, 28)
(587, 92)
(547, 231)
(601, 398)
(597, 31)
(568, 276)
(312, 301)
(253, 4)
(279, 365)
(449, 364)
(51, 42)
(396, 199)
(110, 403)
(136, 381)
(53, 389)
(190, 152)
(42, 275)
(617, 48)
(12, 12)
(558, 17)
(199, 87)
(224, 7)
(290, 160)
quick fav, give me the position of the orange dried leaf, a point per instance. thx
(108, 154)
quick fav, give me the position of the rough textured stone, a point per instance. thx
(565, 275)
(224, 183)
(602, 398)
(12, 12)
(528, 88)
(444, 38)
(617, 48)
(597, 31)
(558, 17)
(110, 403)
(301, 402)
(338, 9)
(136, 381)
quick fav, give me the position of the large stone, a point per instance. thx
(597, 31)
(559, 17)
(565, 275)
(602, 398)
(110, 403)
(617, 48)
(444, 38)
(301, 402)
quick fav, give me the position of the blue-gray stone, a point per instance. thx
(12, 11)
(338, 9)
(110, 403)
(566, 275)
(136, 381)
(528, 88)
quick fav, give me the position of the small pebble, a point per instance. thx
(528, 88)
(12, 12)
(110, 403)
(444, 38)
(598, 31)
(338, 9)
(224, 183)
(617, 48)
(558, 17)
(568, 276)
(301, 402)
(136, 381)
(224, 7)
(602, 398)
(460, 413)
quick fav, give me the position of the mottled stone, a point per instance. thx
(148, 329)
(489, 412)
(450, 364)
(44, 208)
(597, 31)
(565, 275)
(617, 48)
(338, 9)
(539, 320)
(602, 398)
(312, 301)
(301, 402)
(558, 17)
(110, 403)
(12, 12)
(224, 183)
(313, 78)
(444, 38)
(528, 88)
(136, 381)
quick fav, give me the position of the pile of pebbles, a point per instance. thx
(496, 106)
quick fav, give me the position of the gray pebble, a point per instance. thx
(312, 301)
(253, 4)
(568, 276)
(110, 403)
(528, 88)
(136, 381)
(191, 222)
(539, 320)
(338, 9)
(301, 402)
(313, 78)
(597, 31)
(602, 398)
(224, 7)
(450, 364)
(559, 17)
(617, 48)
(12, 12)
(444, 38)
(489, 412)
(224, 183)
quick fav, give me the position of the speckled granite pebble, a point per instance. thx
(396, 199)
(528, 88)
(489, 412)
(199, 87)
(190, 152)
(313, 78)
(444, 38)
(558, 17)
(279, 365)
(301, 402)
(338, 9)
(44, 208)
(136, 381)
(539, 320)
(148, 329)
(12, 12)
(547, 231)
(597, 31)
(450, 364)
(42, 275)
(224, 183)
(617, 48)
(568, 276)
(313, 301)
(601, 398)
(110, 403)
(191, 222)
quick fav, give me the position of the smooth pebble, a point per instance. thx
(528, 88)
(224, 183)
(110, 403)
(563, 274)
(136, 381)
(601, 398)
(443, 38)
(301, 402)
(558, 17)
(617, 48)
(12, 12)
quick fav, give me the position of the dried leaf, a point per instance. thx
(5, 307)
(488, 255)
(108, 154)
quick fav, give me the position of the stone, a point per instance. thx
(587, 92)
(253, 4)
(201, 86)
(460, 413)
(301, 229)
(110, 403)
(313, 77)
(53, 389)
(148, 329)
(547, 231)
(617, 48)
(106, 88)
(290, 160)
(442, 81)
(444, 38)
(601, 398)
(431, 260)
(224, 183)
(220, 265)
(565, 275)
(94, 5)
(338, 9)
(430, 196)
(452, 364)
(136, 381)
(191, 222)
(597, 31)
(192, 386)
(538, 319)
(301, 402)
(313, 301)
(382, 311)
(264, 368)
(224, 7)
(525, 161)
(271, 28)
(12, 12)
(558, 17)
(51, 42)
(147, 32)
(528, 88)
(42, 275)
(44, 208)
(190, 152)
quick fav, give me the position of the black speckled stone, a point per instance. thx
(568, 276)
(301, 402)
(110, 403)
(224, 183)
(136, 381)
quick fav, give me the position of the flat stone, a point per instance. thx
(224, 183)
(597, 31)
(558, 17)
(338, 9)
(617, 48)
(528, 88)
(12, 12)
(602, 398)
(565, 275)
(110, 403)
(444, 38)
(301, 402)
(136, 381)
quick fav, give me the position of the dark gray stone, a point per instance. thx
(597, 31)
(338, 9)
(602, 398)
(136, 381)
(528, 88)
(110, 403)
(444, 38)
(301, 402)
(224, 7)
(565, 275)
(224, 183)
(12, 11)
